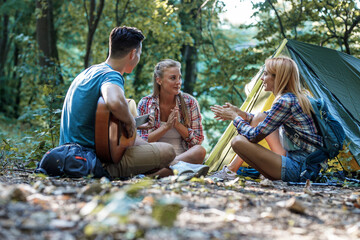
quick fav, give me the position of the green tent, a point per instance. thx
(330, 74)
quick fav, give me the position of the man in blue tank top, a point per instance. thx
(106, 80)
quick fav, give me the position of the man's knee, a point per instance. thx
(167, 153)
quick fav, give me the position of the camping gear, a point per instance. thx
(71, 160)
(328, 74)
(333, 138)
(248, 172)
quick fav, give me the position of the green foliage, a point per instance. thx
(16, 154)
(134, 190)
(333, 24)
(165, 211)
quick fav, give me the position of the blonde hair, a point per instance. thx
(287, 79)
(159, 73)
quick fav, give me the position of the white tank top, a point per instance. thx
(174, 138)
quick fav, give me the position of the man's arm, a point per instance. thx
(116, 102)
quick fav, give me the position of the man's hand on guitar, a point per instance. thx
(130, 128)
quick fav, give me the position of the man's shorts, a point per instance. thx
(137, 160)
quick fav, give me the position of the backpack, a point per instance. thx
(329, 128)
(71, 160)
(333, 136)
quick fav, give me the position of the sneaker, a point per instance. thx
(190, 169)
(181, 168)
(202, 170)
(224, 174)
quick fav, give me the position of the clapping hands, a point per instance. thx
(173, 118)
(225, 112)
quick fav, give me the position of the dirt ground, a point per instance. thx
(39, 207)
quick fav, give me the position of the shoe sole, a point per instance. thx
(189, 174)
(202, 171)
(185, 172)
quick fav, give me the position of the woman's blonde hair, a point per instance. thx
(159, 73)
(287, 79)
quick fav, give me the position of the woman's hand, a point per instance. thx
(173, 118)
(149, 124)
(237, 110)
(225, 112)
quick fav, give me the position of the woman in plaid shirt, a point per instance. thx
(177, 119)
(286, 159)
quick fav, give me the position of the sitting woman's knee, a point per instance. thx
(259, 117)
(237, 141)
(202, 151)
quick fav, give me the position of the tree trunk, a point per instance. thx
(121, 18)
(190, 58)
(18, 85)
(3, 53)
(137, 83)
(3, 43)
(93, 19)
(46, 38)
(190, 23)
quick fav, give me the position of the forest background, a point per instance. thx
(44, 44)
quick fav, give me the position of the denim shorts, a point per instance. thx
(293, 164)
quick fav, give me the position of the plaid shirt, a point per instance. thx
(149, 103)
(286, 110)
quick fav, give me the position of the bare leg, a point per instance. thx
(273, 141)
(235, 164)
(264, 160)
(194, 155)
(164, 172)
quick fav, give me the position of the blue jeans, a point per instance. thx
(293, 164)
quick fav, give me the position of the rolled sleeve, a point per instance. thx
(278, 114)
(196, 135)
(143, 108)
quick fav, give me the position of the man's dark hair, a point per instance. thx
(124, 39)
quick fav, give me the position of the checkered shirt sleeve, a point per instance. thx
(285, 110)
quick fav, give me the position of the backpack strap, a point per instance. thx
(297, 135)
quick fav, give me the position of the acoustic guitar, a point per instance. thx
(110, 140)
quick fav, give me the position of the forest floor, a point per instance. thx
(39, 207)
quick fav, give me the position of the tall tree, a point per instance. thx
(46, 39)
(15, 25)
(93, 16)
(334, 24)
(340, 20)
(4, 21)
(190, 22)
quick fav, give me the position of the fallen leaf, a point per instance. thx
(294, 205)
